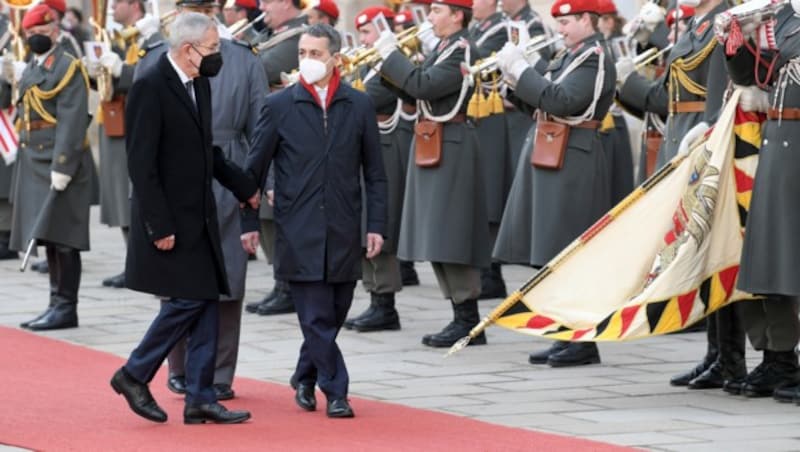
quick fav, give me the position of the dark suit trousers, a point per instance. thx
(178, 318)
(322, 308)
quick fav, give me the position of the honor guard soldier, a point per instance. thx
(65, 38)
(323, 12)
(690, 94)
(6, 170)
(118, 68)
(560, 188)
(488, 32)
(444, 212)
(237, 93)
(770, 251)
(53, 170)
(278, 55)
(242, 16)
(381, 274)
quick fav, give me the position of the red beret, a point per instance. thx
(58, 5)
(367, 14)
(467, 4)
(421, 2)
(328, 7)
(569, 7)
(606, 7)
(404, 17)
(249, 4)
(682, 12)
(41, 14)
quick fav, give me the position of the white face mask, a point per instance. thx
(312, 70)
(692, 3)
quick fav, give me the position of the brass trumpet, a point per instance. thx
(105, 81)
(243, 25)
(649, 55)
(407, 42)
(487, 66)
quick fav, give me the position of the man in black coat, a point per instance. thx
(322, 135)
(174, 247)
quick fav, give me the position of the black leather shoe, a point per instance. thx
(787, 394)
(305, 397)
(735, 386)
(177, 384)
(253, 307)
(716, 376)
(58, 317)
(37, 318)
(40, 266)
(408, 274)
(684, 378)
(138, 396)
(213, 412)
(281, 304)
(781, 371)
(575, 354)
(117, 281)
(339, 408)
(223, 391)
(542, 356)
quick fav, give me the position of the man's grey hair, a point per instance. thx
(188, 28)
(326, 31)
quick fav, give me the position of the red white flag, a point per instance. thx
(9, 140)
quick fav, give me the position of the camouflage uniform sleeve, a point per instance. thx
(73, 119)
(425, 83)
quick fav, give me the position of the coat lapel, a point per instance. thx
(174, 83)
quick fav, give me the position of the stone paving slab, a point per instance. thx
(626, 400)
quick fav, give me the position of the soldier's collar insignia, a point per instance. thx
(485, 25)
(48, 62)
(701, 28)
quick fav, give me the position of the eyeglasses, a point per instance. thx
(211, 49)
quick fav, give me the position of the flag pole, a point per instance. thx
(27, 256)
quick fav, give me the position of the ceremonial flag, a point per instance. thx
(665, 257)
(9, 139)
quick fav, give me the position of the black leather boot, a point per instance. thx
(348, 324)
(465, 317)
(253, 307)
(5, 253)
(781, 371)
(730, 365)
(281, 304)
(541, 357)
(383, 317)
(408, 274)
(64, 311)
(575, 354)
(54, 283)
(712, 352)
(492, 284)
(116, 281)
(40, 266)
(787, 394)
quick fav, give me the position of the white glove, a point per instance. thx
(59, 181)
(385, 44)
(691, 136)
(753, 98)
(10, 69)
(651, 15)
(112, 62)
(625, 67)
(511, 61)
(92, 67)
(147, 26)
(427, 38)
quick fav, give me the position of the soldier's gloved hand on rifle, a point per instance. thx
(385, 44)
(753, 98)
(691, 136)
(625, 67)
(112, 62)
(427, 38)
(147, 26)
(59, 181)
(11, 70)
(511, 61)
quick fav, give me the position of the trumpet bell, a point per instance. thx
(20, 4)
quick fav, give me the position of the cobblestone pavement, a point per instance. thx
(626, 400)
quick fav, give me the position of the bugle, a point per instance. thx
(243, 25)
(406, 41)
(649, 55)
(487, 66)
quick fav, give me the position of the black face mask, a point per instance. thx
(40, 44)
(210, 64)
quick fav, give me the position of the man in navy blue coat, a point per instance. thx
(321, 134)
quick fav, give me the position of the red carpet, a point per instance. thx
(56, 396)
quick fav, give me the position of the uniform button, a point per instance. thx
(322, 207)
(786, 144)
(766, 142)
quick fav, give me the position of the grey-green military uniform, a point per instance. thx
(771, 251)
(617, 146)
(709, 73)
(444, 212)
(114, 183)
(547, 209)
(61, 147)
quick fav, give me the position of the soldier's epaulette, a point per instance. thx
(149, 48)
(246, 45)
